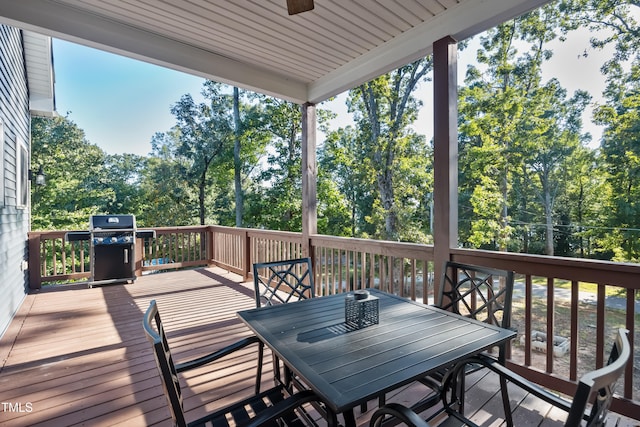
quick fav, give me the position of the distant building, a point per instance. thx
(26, 90)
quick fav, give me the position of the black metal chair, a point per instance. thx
(273, 407)
(595, 388)
(484, 294)
(281, 282)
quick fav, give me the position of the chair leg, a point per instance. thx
(259, 373)
(277, 377)
(505, 402)
(452, 391)
(349, 418)
(288, 378)
(461, 391)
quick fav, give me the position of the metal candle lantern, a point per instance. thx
(361, 309)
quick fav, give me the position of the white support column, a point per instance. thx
(309, 177)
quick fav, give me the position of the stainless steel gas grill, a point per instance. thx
(112, 243)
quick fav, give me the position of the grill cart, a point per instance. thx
(112, 242)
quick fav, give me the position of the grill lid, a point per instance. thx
(112, 222)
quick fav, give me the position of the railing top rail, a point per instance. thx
(254, 232)
(584, 270)
(49, 234)
(382, 247)
(179, 229)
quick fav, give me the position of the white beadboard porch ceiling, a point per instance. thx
(256, 45)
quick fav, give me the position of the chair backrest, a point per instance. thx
(280, 282)
(155, 335)
(480, 293)
(601, 381)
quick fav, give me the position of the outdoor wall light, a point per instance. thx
(40, 176)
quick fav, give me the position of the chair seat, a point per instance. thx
(243, 411)
(276, 406)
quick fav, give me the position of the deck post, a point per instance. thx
(247, 262)
(35, 261)
(445, 151)
(138, 257)
(309, 177)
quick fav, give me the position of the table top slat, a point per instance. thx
(348, 366)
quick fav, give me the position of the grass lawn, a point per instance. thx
(584, 287)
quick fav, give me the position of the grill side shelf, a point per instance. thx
(145, 234)
(77, 236)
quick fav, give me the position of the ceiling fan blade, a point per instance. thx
(297, 6)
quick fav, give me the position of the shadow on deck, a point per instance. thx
(78, 356)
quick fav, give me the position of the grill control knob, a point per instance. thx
(114, 239)
(127, 239)
(98, 239)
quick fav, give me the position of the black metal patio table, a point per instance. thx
(347, 366)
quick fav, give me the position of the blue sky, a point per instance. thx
(121, 103)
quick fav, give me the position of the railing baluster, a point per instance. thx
(600, 325)
(550, 323)
(630, 324)
(573, 354)
(528, 318)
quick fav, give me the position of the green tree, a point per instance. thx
(384, 109)
(251, 137)
(276, 202)
(237, 164)
(515, 130)
(203, 134)
(490, 107)
(586, 195)
(613, 23)
(169, 200)
(76, 176)
(344, 164)
(553, 133)
(621, 155)
(124, 179)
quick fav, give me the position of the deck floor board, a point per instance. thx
(78, 356)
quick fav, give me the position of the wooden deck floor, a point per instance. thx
(78, 356)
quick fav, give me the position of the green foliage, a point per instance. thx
(277, 202)
(77, 182)
(344, 167)
(168, 199)
(384, 109)
(517, 134)
(621, 156)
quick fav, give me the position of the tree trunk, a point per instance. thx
(236, 159)
(387, 198)
(201, 188)
(549, 226)
(548, 214)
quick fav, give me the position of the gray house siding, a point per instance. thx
(15, 123)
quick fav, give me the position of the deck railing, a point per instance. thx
(54, 260)
(550, 296)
